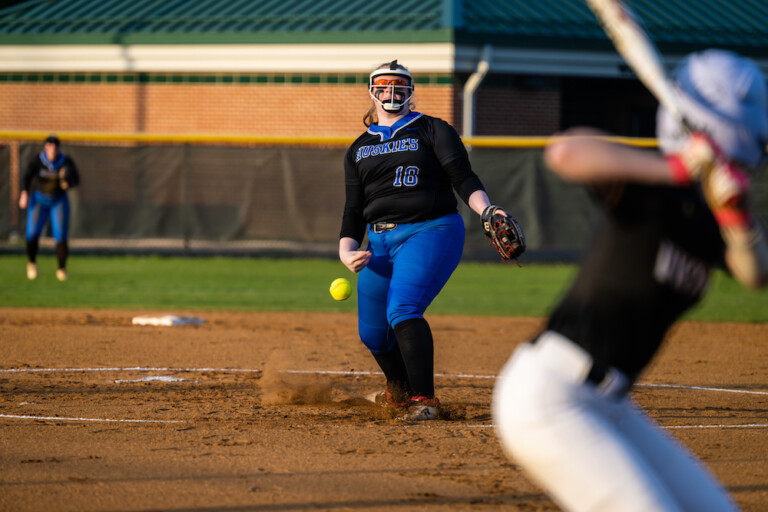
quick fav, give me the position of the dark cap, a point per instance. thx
(53, 139)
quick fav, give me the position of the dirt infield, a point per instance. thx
(98, 414)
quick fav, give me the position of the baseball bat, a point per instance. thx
(633, 44)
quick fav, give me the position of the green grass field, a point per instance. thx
(292, 284)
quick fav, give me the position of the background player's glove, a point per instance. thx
(725, 185)
(504, 232)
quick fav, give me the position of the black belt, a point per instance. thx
(597, 373)
(379, 227)
(611, 379)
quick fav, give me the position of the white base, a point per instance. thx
(167, 320)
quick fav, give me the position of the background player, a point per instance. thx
(560, 404)
(400, 176)
(46, 181)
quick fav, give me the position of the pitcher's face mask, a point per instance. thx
(391, 87)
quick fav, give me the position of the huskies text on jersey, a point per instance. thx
(395, 146)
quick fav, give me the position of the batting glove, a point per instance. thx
(700, 153)
(725, 185)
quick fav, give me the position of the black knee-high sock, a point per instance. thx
(391, 363)
(62, 251)
(415, 339)
(32, 246)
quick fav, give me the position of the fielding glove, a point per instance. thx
(504, 233)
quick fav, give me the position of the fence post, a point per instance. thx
(13, 211)
(185, 205)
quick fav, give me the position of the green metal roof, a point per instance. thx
(737, 24)
(714, 23)
(681, 24)
(212, 21)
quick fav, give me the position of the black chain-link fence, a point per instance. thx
(195, 198)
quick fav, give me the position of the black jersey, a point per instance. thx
(405, 173)
(649, 263)
(43, 176)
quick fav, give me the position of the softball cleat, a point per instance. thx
(385, 399)
(31, 271)
(421, 408)
(61, 274)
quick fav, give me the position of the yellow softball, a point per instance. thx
(341, 289)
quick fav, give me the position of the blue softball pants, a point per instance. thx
(40, 207)
(409, 266)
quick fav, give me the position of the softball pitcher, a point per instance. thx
(400, 176)
(560, 405)
(44, 194)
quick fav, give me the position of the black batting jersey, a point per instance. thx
(649, 263)
(405, 173)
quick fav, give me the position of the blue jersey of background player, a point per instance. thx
(46, 181)
(400, 177)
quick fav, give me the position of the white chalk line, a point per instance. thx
(154, 378)
(491, 425)
(450, 426)
(747, 425)
(107, 420)
(702, 388)
(330, 372)
(127, 369)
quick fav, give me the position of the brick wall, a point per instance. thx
(251, 109)
(289, 109)
(68, 107)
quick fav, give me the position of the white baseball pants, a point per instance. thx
(591, 450)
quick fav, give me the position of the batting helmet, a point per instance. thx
(724, 95)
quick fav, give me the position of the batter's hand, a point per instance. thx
(726, 188)
(724, 184)
(697, 156)
(355, 260)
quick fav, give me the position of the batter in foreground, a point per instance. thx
(560, 405)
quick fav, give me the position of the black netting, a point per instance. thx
(7, 200)
(234, 198)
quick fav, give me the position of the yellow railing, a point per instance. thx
(279, 140)
(539, 142)
(179, 138)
